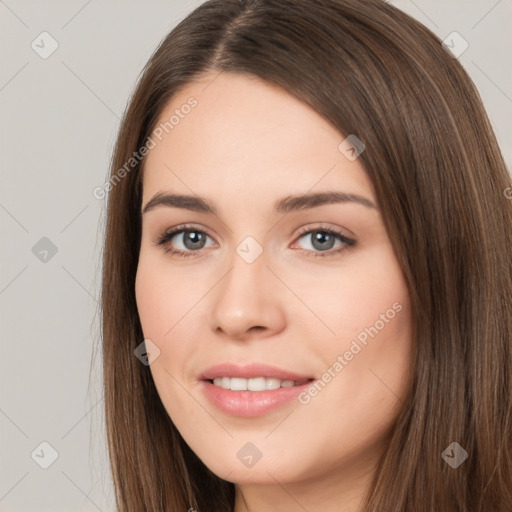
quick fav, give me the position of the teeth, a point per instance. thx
(256, 384)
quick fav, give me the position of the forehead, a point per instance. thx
(236, 134)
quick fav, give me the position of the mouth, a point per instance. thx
(250, 391)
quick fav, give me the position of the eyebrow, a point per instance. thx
(285, 205)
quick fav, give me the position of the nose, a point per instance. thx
(249, 301)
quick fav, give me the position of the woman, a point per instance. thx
(307, 273)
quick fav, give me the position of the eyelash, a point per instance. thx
(168, 235)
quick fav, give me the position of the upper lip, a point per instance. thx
(250, 371)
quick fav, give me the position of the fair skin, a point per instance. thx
(246, 145)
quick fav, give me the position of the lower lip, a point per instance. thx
(248, 404)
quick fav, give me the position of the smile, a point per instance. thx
(254, 384)
(251, 390)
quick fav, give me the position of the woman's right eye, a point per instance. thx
(183, 242)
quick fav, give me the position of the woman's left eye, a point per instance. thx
(322, 241)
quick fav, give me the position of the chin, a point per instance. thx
(266, 470)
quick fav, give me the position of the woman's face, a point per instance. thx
(268, 272)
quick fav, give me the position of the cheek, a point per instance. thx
(170, 315)
(162, 305)
(162, 299)
(367, 356)
(352, 299)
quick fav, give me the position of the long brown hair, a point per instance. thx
(440, 182)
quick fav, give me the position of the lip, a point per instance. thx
(248, 404)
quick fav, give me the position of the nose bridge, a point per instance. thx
(246, 278)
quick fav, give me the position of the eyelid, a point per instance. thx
(184, 227)
(322, 226)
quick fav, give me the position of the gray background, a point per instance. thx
(60, 116)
